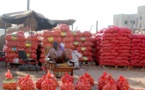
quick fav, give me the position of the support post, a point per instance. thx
(28, 4)
(96, 26)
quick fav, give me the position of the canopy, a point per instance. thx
(19, 17)
(42, 22)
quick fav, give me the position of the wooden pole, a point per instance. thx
(5, 28)
(76, 28)
(72, 27)
(91, 27)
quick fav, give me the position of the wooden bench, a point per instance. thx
(55, 68)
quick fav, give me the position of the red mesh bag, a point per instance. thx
(110, 86)
(82, 49)
(27, 84)
(79, 44)
(69, 46)
(20, 38)
(44, 45)
(77, 33)
(82, 84)
(29, 50)
(9, 49)
(89, 78)
(66, 77)
(63, 27)
(49, 83)
(88, 53)
(83, 39)
(58, 39)
(11, 55)
(110, 30)
(87, 34)
(122, 84)
(11, 43)
(14, 37)
(9, 82)
(39, 82)
(46, 33)
(21, 79)
(21, 44)
(67, 86)
(88, 44)
(49, 39)
(56, 33)
(67, 34)
(33, 45)
(103, 80)
(67, 39)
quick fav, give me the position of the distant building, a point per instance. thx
(132, 21)
(110, 25)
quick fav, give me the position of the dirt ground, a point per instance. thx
(136, 77)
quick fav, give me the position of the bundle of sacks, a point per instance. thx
(137, 50)
(113, 46)
(107, 82)
(20, 40)
(83, 44)
(14, 41)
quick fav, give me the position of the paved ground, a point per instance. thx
(136, 77)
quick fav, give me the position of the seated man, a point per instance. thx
(57, 53)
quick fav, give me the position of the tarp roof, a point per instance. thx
(68, 22)
(19, 17)
(43, 22)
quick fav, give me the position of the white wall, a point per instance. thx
(138, 18)
(2, 32)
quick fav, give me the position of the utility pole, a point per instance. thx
(28, 5)
(97, 26)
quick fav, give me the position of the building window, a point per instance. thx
(125, 22)
(140, 18)
(140, 25)
(133, 21)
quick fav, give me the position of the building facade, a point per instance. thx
(132, 21)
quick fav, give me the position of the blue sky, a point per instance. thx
(86, 12)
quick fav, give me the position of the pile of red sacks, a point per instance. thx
(20, 40)
(113, 46)
(83, 44)
(12, 45)
(60, 33)
(9, 82)
(46, 38)
(137, 50)
(31, 44)
(66, 35)
(107, 82)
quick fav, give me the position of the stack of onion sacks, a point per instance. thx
(67, 82)
(47, 82)
(83, 84)
(9, 82)
(26, 83)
